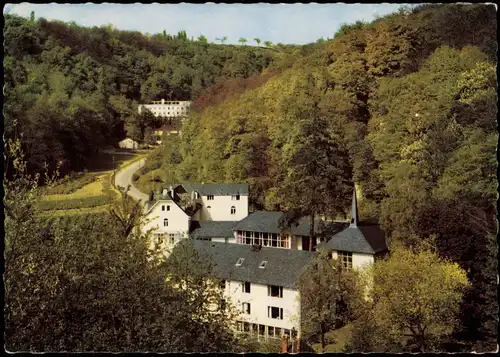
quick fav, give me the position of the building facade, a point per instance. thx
(261, 283)
(206, 211)
(167, 108)
(257, 259)
(129, 143)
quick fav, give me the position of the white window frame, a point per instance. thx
(345, 259)
(280, 291)
(165, 222)
(270, 312)
(233, 210)
(246, 308)
(244, 287)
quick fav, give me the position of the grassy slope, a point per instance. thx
(103, 167)
(337, 339)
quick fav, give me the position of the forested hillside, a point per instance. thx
(70, 90)
(412, 98)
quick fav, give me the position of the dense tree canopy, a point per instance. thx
(73, 90)
(412, 98)
(413, 303)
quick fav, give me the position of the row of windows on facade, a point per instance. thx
(164, 113)
(263, 238)
(165, 220)
(171, 238)
(169, 102)
(262, 330)
(233, 197)
(272, 290)
(273, 312)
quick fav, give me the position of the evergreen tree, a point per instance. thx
(317, 175)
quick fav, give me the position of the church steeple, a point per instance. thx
(354, 210)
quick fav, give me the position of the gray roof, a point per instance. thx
(218, 189)
(369, 239)
(283, 265)
(212, 229)
(268, 221)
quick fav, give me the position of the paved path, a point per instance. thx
(124, 178)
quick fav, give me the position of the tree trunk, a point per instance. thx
(311, 233)
(323, 343)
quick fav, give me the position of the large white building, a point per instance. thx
(261, 283)
(167, 108)
(180, 209)
(259, 260)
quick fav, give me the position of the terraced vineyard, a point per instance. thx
(89, 192)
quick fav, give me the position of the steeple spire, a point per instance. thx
(354, 210)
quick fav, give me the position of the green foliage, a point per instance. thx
(415, 315)
(328, 296)
(92, 283)
(413, 105)
(75, 90)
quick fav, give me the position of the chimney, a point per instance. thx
(162, 101)
(354, 210)
(171, 191)
(165, 191)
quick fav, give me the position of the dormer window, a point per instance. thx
(233, 210)
(263, 264)
(239, 262)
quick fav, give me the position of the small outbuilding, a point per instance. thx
(128, 144)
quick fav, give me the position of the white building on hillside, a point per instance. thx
(129, 143)
(258, 261)
(167, 108)
(209, 209)
(261, 283)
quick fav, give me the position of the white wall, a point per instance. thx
(178, 220)
(259, 301)
(167, 108)
(220, 208)
(223, 239)
(359, 260)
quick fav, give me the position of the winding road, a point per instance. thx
(124, 178)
